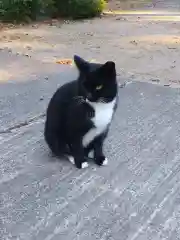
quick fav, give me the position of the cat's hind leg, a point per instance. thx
(77, 156)
(56, 145)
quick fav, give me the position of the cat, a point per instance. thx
(80, 112)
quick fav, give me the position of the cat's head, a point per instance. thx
(97, 82)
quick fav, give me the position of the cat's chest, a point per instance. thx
(103, 113)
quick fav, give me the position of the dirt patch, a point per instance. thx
(145, 48)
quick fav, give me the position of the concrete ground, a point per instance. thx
(136, 197)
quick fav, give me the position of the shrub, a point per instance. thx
(77, 9)
(15, 10)
(24, 10)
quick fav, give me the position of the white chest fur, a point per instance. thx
(101, 120)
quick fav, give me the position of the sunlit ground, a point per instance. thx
(148, 15)
(143, 12)
(165, 18)
(144, 44)
(4, 75)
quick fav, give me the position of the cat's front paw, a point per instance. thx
(78, 164)
(101, 161)
(82, 165)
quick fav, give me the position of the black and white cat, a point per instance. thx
(80, 112)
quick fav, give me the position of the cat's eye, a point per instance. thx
(99, 87)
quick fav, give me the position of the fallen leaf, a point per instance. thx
(65, 61)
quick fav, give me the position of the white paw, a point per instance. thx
(71, 159)
(105, 162)
(84, 165)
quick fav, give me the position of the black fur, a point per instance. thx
(69, 115)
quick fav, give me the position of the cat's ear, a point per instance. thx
(108, 69)
(81, 64)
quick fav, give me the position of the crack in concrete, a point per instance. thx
(35, 118)
(22, 124)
